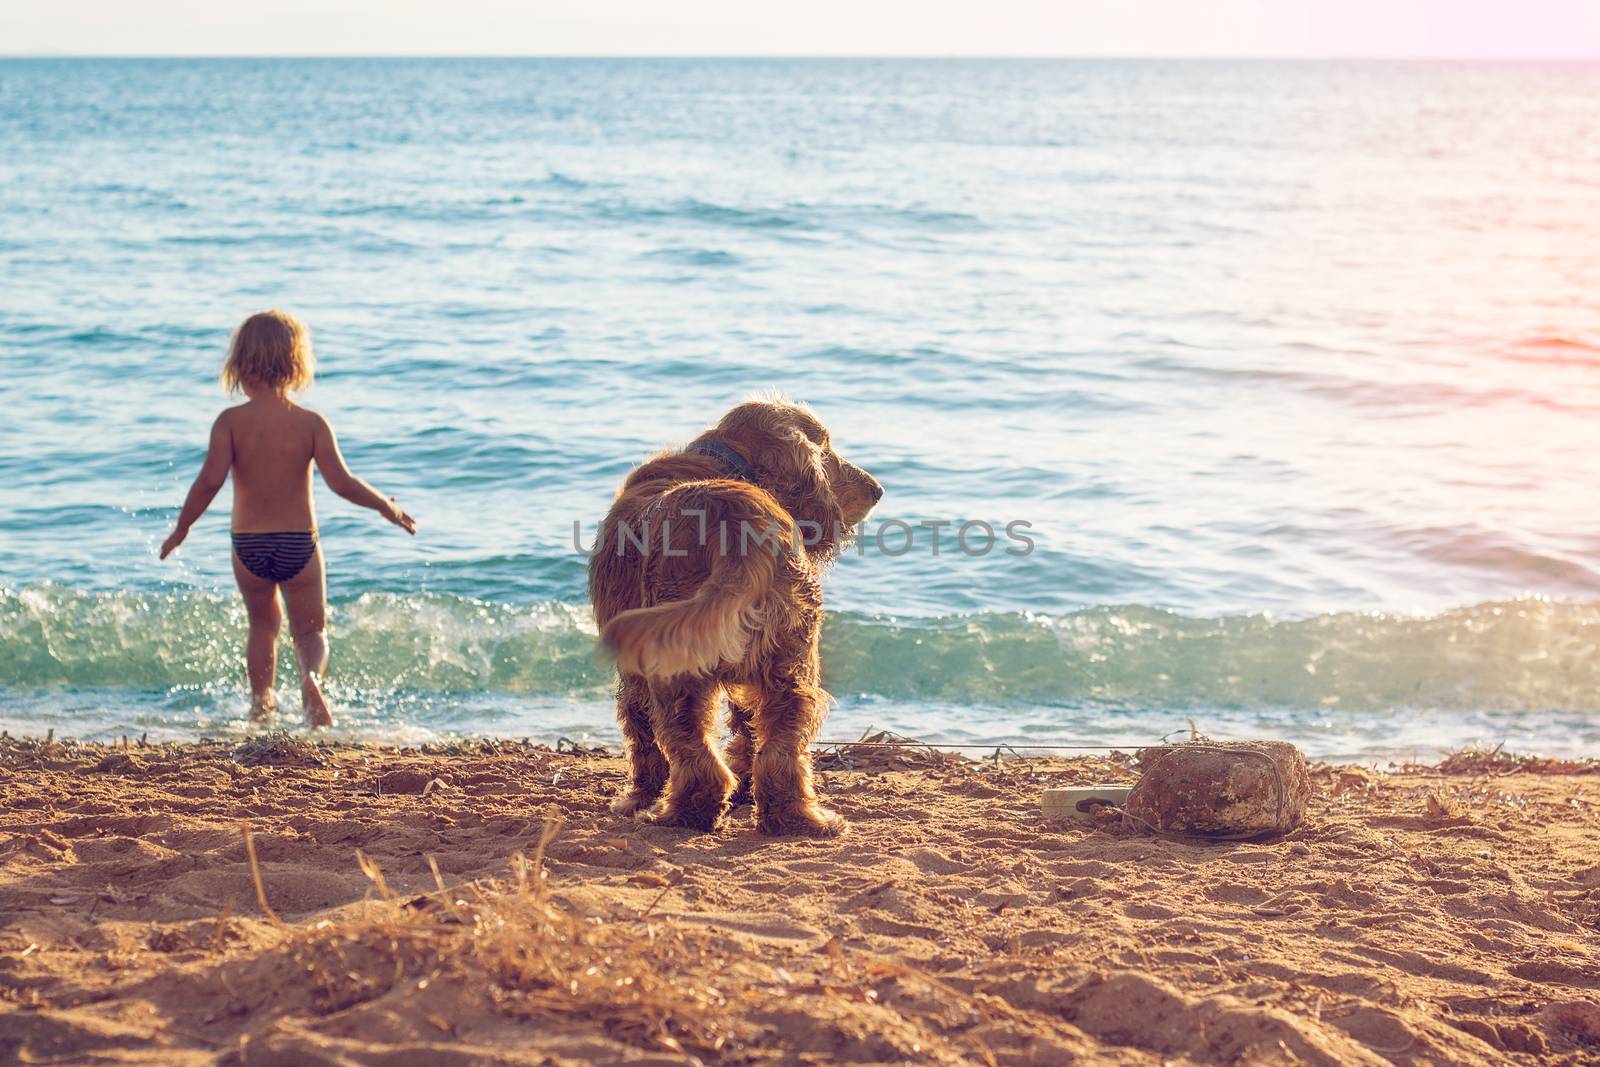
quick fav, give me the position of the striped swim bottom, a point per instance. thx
(275, 557)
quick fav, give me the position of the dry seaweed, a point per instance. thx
(277, 749)
(1496, 761)
(884, 750)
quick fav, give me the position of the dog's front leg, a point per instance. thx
(786, 800)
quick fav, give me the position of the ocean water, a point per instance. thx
(1292, 368)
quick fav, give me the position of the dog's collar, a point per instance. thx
(732, 463)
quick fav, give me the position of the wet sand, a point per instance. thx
(1416, 917)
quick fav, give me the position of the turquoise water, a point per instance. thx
(1294, 368)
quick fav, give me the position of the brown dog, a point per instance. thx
(706, 577)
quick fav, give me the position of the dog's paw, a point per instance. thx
(815, 821)
(697, 817)
(632, 802)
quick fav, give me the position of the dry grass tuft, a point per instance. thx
(504, 945)
(255, 876)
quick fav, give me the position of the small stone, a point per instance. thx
(1220, 789)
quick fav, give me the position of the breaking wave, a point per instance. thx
(1512, 655)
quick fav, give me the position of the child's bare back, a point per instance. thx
(269, 444)
(274, 442)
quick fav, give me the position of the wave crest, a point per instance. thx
(1514, 655)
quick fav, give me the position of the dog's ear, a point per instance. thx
(809, 493)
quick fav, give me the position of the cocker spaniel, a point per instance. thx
(706, 579)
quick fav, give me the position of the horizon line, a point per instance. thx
(1216, 57)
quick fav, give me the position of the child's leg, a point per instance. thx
(261, 647)
(305, 596)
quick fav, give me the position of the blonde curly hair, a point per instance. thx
(271, 349)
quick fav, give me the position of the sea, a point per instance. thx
(1287, 372)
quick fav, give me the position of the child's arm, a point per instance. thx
(212, 477)
(331, 463)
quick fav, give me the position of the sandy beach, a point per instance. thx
(1423, 916)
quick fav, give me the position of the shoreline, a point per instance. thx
(1448, 914)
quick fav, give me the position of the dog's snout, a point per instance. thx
(862, 480)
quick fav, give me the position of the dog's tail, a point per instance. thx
(695, 635)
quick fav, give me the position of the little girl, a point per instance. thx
(269, 443)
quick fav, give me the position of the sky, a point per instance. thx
(1514, 29)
